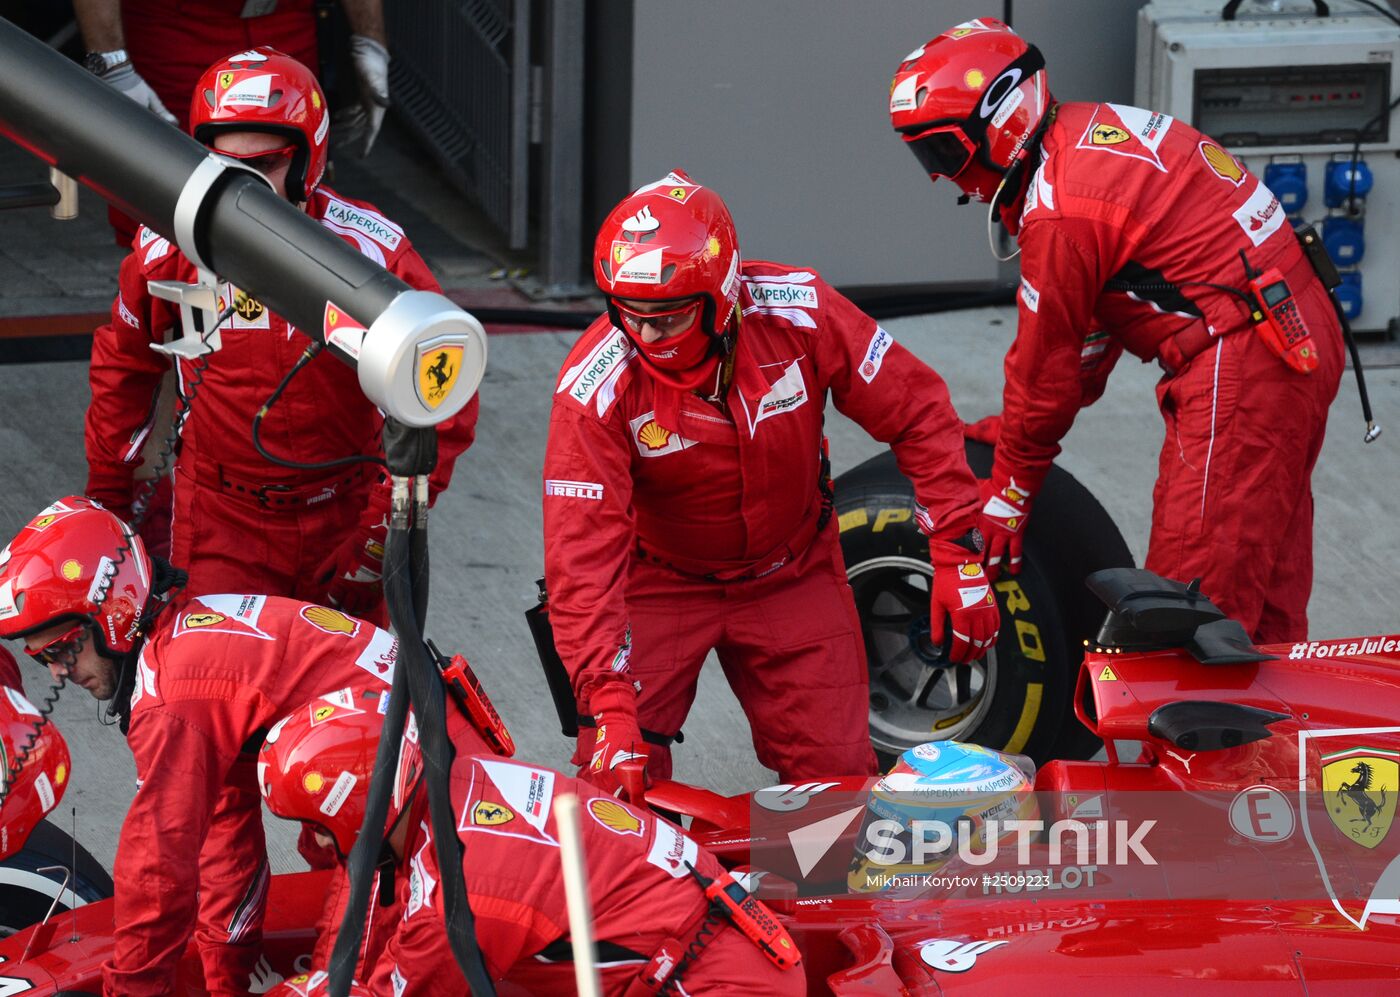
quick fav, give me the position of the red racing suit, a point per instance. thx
(1129, 212)
(9, 670)
(702, 526)
(241, 523)
(172, 42)
(641, 890)
(191, 858)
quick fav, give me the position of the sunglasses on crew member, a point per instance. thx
(667, 323)
(943, 150)
(59, 648)
(265, 161)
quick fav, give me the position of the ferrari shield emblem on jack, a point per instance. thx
(438, 366)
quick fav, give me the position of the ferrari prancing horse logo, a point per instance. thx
(1359, 785)
(1108, 135)
(438, 367)
(491, 814)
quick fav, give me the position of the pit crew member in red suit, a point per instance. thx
(645, 900)
(241, 522)
(196, 689)
(686, 506)
(1134, 231)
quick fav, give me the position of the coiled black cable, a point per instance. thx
(306, 357)
(140, 505)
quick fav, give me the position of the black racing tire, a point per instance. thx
(26, 893)
(1017, 699)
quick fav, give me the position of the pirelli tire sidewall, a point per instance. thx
(1030, 711)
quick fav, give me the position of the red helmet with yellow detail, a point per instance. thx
(316, 763)
(968, 102)
(264, 90)
(671, 242)
(76, 561)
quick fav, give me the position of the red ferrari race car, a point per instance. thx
(1244, 844)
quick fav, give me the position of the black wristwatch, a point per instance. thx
(102, 63)
(971, 541)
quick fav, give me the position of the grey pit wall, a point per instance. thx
(781, 106)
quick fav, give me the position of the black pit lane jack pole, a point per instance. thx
(411, 455)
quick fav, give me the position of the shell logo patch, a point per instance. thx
(971, 570)
(332, 621)
(313, 782)
(652, 436)
(194, 620)
(60, 774)
(438, 367)
(974, 79)
(1108, 135)
(316, 99)
(71, 570)
(486, 814)
(1222, 164)
(615, 817)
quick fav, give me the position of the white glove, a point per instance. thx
(129, 81)
(361, 124)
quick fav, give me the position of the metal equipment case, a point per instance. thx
(1290, 94)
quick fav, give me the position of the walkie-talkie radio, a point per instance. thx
(458, 676)
(1280, 324)
(731, 900)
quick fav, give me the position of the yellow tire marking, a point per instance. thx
(1029, 711)
(856, 517)
(1028, 634)
(887, 516)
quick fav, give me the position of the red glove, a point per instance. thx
(962, 595)
(352, 575)
(619, 761)
(1006, 507)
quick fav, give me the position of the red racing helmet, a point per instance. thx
(264, 90)
(76, 561)
(968, 102)
(43, 775)
(316, 763)
(672, 241)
